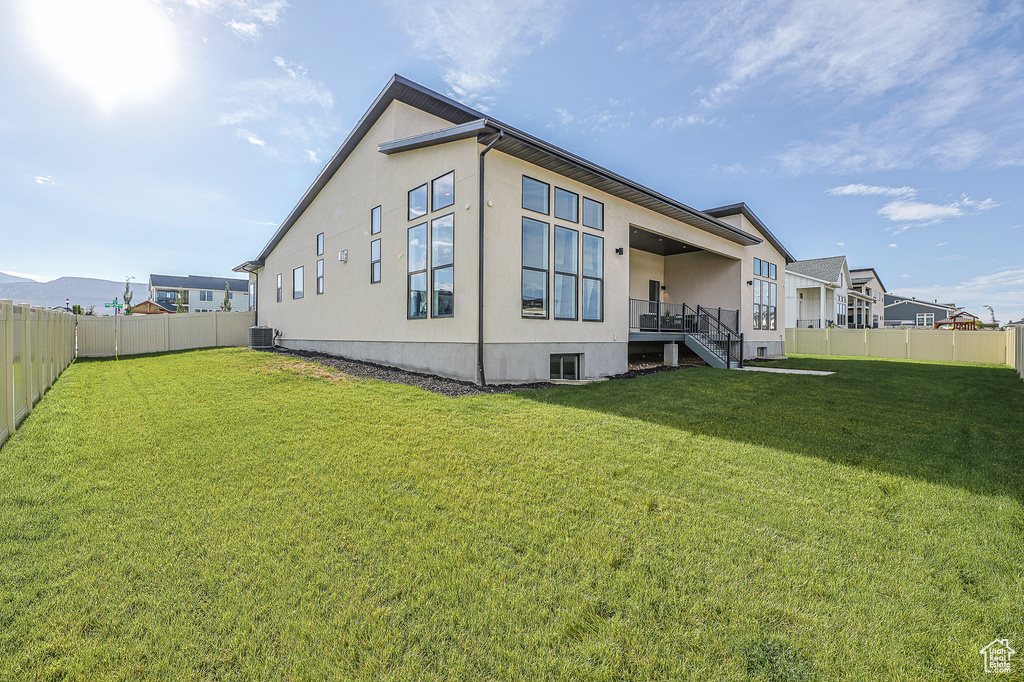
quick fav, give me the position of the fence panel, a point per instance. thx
(981, 346)
(33, 352)
(936, 344)
(887, 343)
(138, 334)
(998, 347)
(847, 342)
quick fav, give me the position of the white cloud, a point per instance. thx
(1002, 289)
(45, 180)
(476, 40)
(892, 246)
(840, 243)
(247, 19)
(250, 137)
(942, 244)
(312, 156)
(859, 190)
(245, 29)
(905, 276)
(916, 211)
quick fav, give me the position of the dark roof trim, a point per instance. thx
(853, 270)
(453, 134)
(741, 207)
(914, 301)
(415, 95)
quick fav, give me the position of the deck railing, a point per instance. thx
(704, 323)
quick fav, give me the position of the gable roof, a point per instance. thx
(902, 300)
(864, 278)
(199, 282)
(827, 269)
(744, 210)
(468, 122)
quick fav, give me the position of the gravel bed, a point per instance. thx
(453, 388)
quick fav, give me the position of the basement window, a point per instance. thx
(762, 351)
(565, 366)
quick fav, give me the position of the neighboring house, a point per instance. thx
(819, 293)
(903, 311)
(149, 308)
(868, 310)
(441, 240)
(202, 294)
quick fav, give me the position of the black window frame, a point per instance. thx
(531, 268)
(424, 271)
(375, 220)
(433, 194)
(565, 273)
(301, 291)
(426, 199)
(575, 203)
(757, 267)
(583, 213)
(547, 195)
(560, 357)
(319, 276)
(434, 268)
(375, 272)
(586, 277)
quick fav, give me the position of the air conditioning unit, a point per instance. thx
(261, 338)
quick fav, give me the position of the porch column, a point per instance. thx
(821, 307)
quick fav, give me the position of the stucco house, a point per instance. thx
(818, 293)
(441, 240)
(866, 311)
(202, 294)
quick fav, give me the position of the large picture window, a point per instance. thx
(418, 271)
(375, 220)
(442, 266)
(593, 214)
(297, 282)
(757, 295)
(593, 278)
(535, 269)
(443, 191)
(567, 205)
(418, 202)
(566, 270)
(536, 195)
(320, 276)
(375, 261)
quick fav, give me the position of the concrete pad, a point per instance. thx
(780, 370)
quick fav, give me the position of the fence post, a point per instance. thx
(167, 331)
(26, 356)
(7, 366)
(216, 331)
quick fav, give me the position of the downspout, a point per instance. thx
(256, 301)
(480, 275)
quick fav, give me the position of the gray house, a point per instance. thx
(903, 311)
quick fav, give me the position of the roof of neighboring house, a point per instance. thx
(742, 208)
(903, 300)
(149, 308)
(864, 277)
(467, 123)
(198, 282)
(827, 269)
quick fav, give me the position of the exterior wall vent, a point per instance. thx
(261, 338)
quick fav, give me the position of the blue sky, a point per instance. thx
(174, 136)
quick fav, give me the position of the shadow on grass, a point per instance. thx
(958, 425)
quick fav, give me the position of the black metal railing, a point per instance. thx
(809, 324)
(706, 324)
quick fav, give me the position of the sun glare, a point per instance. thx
(119, 51)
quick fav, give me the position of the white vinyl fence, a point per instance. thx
(1015, 349)
(102, 337)
(36, 344)
(996, 347)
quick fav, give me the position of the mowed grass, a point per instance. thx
(226, 514)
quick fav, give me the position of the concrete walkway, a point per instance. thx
(780, 370)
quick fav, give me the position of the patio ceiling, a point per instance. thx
(652, 242)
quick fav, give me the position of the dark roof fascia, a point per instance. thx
(198, 282)
(853, 270)
(414, 94)
(442, 136)
(914, 301)
(741, 207)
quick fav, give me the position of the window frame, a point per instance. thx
(586, 277)
(298, 276)
(319, 276)
(434, 268)
(376, 262)
(547, 199)
(433, 195)
(561, 357)
(566, 273)
(410, 273)
(280, 286)
(583, 213)
(531, 268)
(375, 220)
(575, 204)
(426, 199)
(320, 244)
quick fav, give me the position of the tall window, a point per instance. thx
(567, 205)
(418, 272)
(375, 220)
(757, 267)
(279, 289)
(297, 282)
(375, 261)
(320, 244)
(442, 266)
(593, 214)
(566, 269)
(443, 191)
(535, 268)
(252, 295)
(772, 275)
(418, 202)
(320, 276)
(772, 306)
(765, 297)
(757, 295)
(536, 195)
(593, 278)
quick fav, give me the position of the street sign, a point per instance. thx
(115, 304)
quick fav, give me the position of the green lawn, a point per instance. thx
(226, 514)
